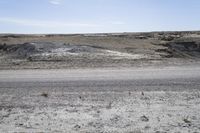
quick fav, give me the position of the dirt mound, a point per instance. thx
(22, 50)
(30, 49)
(185, 46)
(181, 49)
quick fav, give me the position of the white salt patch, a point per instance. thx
(124, 55)
(107, 53)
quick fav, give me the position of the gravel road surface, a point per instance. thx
(187, 77)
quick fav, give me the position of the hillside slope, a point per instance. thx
(98, 50)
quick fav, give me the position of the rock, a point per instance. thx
(144, 118)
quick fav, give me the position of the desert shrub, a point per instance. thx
(44, 94)
(30, 58)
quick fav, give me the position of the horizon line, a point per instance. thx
(9, 33)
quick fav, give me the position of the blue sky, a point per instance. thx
(97, 16)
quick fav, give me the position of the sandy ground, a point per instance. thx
(109, 112)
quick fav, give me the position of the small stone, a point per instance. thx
(77, 126)
(144, 118)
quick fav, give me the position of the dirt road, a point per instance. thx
(120, 79)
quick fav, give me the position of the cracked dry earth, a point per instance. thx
(107, 112)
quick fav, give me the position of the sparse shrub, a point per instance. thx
(16, 63)
(141, 37)
(4, 46)
(77, 127)
(129, 93)
(66, 44)
(144, 118)
(186, 121)
(30, 58)
(44, 94)
(142, 94)
(167, 38)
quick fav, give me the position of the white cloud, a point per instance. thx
(21, 25)
(55, 2)
(47, 24)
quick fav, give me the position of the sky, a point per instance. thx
(98, 16)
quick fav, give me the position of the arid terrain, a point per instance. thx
(100, 83)
(98, 50)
